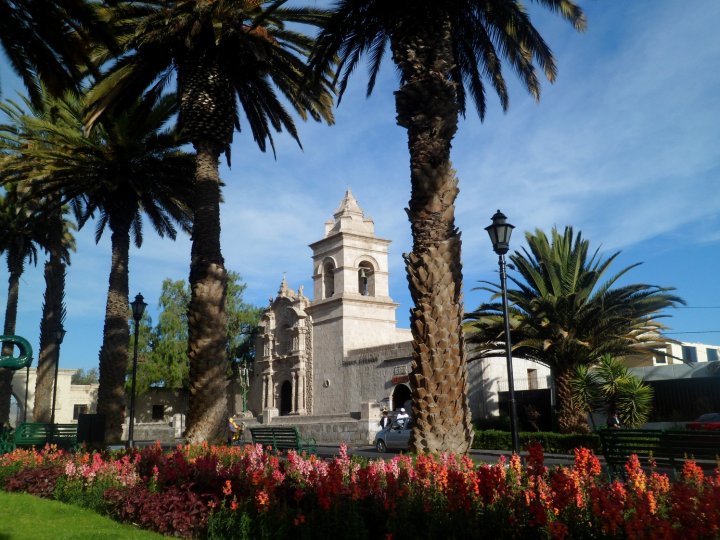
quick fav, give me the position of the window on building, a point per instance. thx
(328, 279)
(79, 409)
(158, 412)
(366, 279)
(689, 354)
(660, 357)
(532, 379)
(712, 355)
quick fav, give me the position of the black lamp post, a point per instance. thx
(59, 336)
(500, 232)
(138, 308)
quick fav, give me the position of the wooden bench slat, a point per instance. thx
(282, 438)
(668, 448)
(40, 433)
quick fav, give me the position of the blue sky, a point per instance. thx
(623, 147)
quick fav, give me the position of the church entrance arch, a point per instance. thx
(400, 396)
(285, 398)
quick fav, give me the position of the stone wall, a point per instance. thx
(325, 429)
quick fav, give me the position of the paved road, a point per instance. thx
(479, 456)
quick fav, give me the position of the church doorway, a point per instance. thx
(285, 398)
(400, 398)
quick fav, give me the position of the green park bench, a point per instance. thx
(39, 434)
(669, 449)
(282, 438)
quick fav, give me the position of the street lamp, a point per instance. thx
(59, 336)
(500, 232)
(138, 308)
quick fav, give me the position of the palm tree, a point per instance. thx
(127, 166)
(564, 315)
(221, 52)
(49, 41)
(608, 386)
(21, 228)
(443, 51)
(58, 243)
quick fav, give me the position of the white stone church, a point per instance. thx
(339, 353)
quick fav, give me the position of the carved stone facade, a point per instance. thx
(283, 366)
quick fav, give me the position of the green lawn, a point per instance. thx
(25, 517)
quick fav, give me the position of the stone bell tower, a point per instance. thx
(351, 308)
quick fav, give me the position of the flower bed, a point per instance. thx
(221, 492)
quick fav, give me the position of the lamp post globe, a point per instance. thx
(500, 232)
(138, 309)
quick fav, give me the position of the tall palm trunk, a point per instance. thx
(570, 416)
(51, 319)
(207, 118)
(207, 319)
(116, 335)
(426, 106)
(15, 269)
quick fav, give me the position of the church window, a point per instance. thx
(328, 280)
(366, 280)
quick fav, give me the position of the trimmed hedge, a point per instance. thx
(553, 443)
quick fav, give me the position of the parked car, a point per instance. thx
(706, 421)
(394, 437)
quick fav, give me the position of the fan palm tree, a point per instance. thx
(222, 53)
(126, 167)
(444, 51)
(563, 314)
(608, 386)
(21, 230)
(58, 244)
(49, 41)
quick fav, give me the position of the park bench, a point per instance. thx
(669, 449)
(282, 438)
(39, 434)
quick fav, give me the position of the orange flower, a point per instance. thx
(234, 505)
(227, 490)
(262, 500)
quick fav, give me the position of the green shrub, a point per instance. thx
(554, 443)
(500, 423)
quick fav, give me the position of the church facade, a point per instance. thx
(339, 353)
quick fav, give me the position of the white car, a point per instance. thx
(394, 437)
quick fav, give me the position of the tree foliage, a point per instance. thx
(162, 348)
(609, 386)
(81, 376)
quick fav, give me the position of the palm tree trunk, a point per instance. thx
(207, 319)
(426, 107)
(15, 269)
(49, 350)
(570, 417)
(116, 335)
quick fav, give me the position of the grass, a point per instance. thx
(26, 517)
